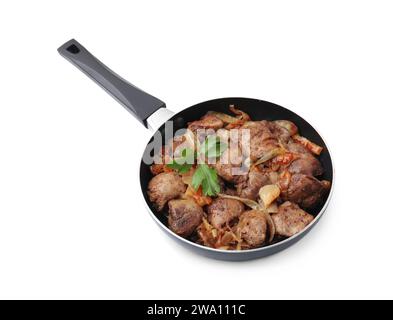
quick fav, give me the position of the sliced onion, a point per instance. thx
(227, 238)
(250, 203)
(187, 177)
(273, 176)
(314, 148)
(226, 118)
(269, 194)
(273, 208)
(241, 114)
(270, 155)
(288, 125)
(209, 228)
(197, 196)
(272, 227)
(284, 180)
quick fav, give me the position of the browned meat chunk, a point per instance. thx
(252, 228)
(304, 190)
(208, 121)
(172, 149)
(290, 219)
(224, 189)
(223, 211)
(261, 139)
(184, 216)
(229, 165)
(249, 188)
(283, 129)
(305, 162)
(164, 187)
(295, 147)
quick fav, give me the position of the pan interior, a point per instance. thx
(258, 110)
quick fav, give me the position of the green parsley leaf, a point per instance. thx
(204, 175)
(207, 177)
(212, 147)
(181, 168)
(188, 155)
(184, 163)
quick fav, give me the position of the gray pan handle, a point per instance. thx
(139, 103)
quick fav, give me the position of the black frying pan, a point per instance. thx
(153, 114)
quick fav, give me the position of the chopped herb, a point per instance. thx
(212, 147)
(184, 163)
(204, 175)
(207, 177)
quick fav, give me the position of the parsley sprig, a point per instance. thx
(184, 163)
(207, 177)
(204, 175)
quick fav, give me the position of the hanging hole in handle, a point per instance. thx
(73, 49)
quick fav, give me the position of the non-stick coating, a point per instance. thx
(258, 110)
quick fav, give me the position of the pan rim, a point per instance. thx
(267, 247)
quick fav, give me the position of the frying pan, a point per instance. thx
(153, 114)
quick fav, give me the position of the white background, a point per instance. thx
(72, 221)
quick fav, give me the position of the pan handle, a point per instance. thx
(139, 103)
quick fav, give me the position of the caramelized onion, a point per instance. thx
(272, 227)
(288, 125)
(226, 118)
(269, 194)
(250, 203)
(270, 155)
(241, 114)
(314, 148)
(273, 208)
